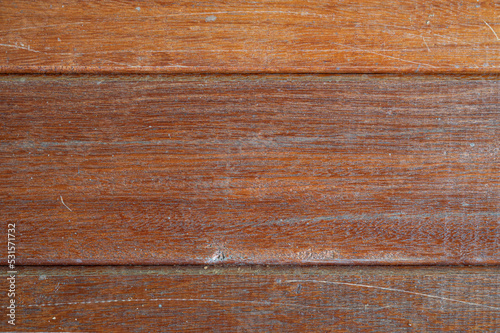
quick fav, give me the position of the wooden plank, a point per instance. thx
(251, 169)
(257, 299)
(299, 36)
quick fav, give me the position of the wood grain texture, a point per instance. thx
(251, 169)
(299, 36)
(257, 299)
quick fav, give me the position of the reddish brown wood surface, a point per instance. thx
(251, 169)
(169, 299)
(384, 36)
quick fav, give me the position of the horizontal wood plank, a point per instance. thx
(382, 36)
(256, 299)
(251, 169)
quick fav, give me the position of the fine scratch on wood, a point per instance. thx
(403, 60)
(135, 66)
(62, 201)
(489, 26)
(118, 63)
(443, 37)
(211, 300)
(394, 290)
(287, 12)
(428, 49)
(44, 26)
(384, 55)
(20, 47)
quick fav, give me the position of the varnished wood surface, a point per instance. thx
(248, 169)
(383, 36)
(251, 169)
(257, 299)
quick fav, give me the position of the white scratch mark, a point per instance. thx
(211, 300)
(211, 18)
(444, 37)
(382, 307)
(248, 12)
(119, 63)
(45, 26)
(394, 290)
(384, 55)
(218, 256)
(428, 49)
(403, 60)
(489, 26)
(62, 201)
(136, 66)
(20, 47)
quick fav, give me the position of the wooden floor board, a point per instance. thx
(382, 36)
(251, 169)
(257, 299)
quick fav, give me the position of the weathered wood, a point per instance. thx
(257, 299)
(384, 36)
(251, 169)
